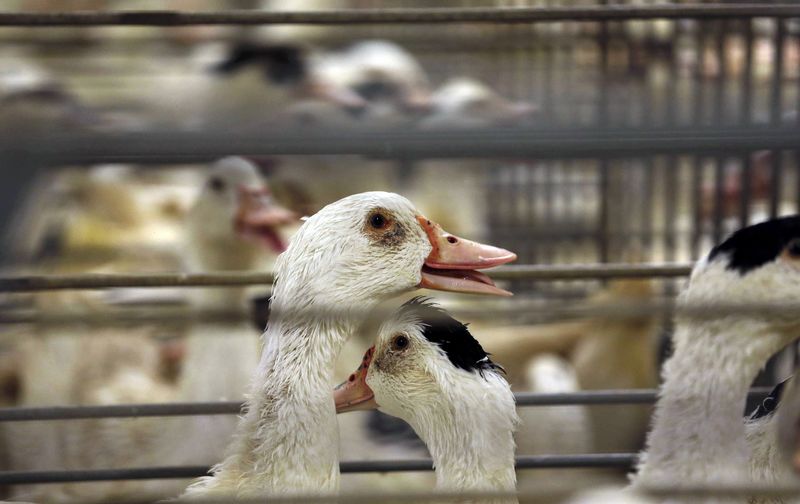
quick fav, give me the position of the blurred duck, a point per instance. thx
(468, 103)
(594, 354)
(427, 369)
(393, 90)
(462, 103)
(231, 224)
(346, 258)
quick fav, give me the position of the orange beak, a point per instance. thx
(354, 394)
(453, 261)
(260, 218)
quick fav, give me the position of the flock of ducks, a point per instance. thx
(350, 259)
(426, 368)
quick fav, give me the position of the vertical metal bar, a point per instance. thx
(697, 198)
(746, 184)
(745, 112)
(670, 211)
(697, 168)
(775, 183)
(699, 89)
(719, 107)
(603, 121)
(646, 202)
(776, 95)
(776, 116)
(719, 198)
(745, 118)
(719, 101)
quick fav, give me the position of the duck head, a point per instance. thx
(235, 209)
(374, 245)
(424, 368)
(757, 264)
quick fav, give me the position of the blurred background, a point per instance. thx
(130, 149)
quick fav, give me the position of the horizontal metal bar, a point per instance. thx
(398, 16)
(523, 311)
(524, 399)
(523, 462)
(590, 271)
(31, 283)
(165, 147)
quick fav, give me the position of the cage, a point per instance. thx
(610, 145)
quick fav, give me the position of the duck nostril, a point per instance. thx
(352, 378)
(452, 239)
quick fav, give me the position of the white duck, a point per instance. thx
(698, 433)
(227, 228)
(346, 258)
(427, 369)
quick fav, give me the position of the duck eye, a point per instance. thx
(217, 184)
(399, 342)
(377, 221)
(793, 248)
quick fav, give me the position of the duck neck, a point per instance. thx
(471, 450)
(288, 440)
(698, 432)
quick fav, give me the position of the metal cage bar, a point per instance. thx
(523, 399)
(31, 283)
(162, 147)
(400, 16)
(622, 460)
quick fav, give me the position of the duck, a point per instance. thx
(427, 369)
(233, 224)
(698, 434)
(343, 260)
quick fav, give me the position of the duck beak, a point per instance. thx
(453, 261)
(354, 394)
(258, 217)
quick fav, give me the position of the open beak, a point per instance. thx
(453, 261)
(260, 218)
(354, 394)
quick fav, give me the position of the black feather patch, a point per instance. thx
(771, 402)
(453, 337)
(282, 64)
(753, 246)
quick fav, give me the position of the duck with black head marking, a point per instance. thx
(698, 435)
(427, 369)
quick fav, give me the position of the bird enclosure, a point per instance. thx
(609, 145)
